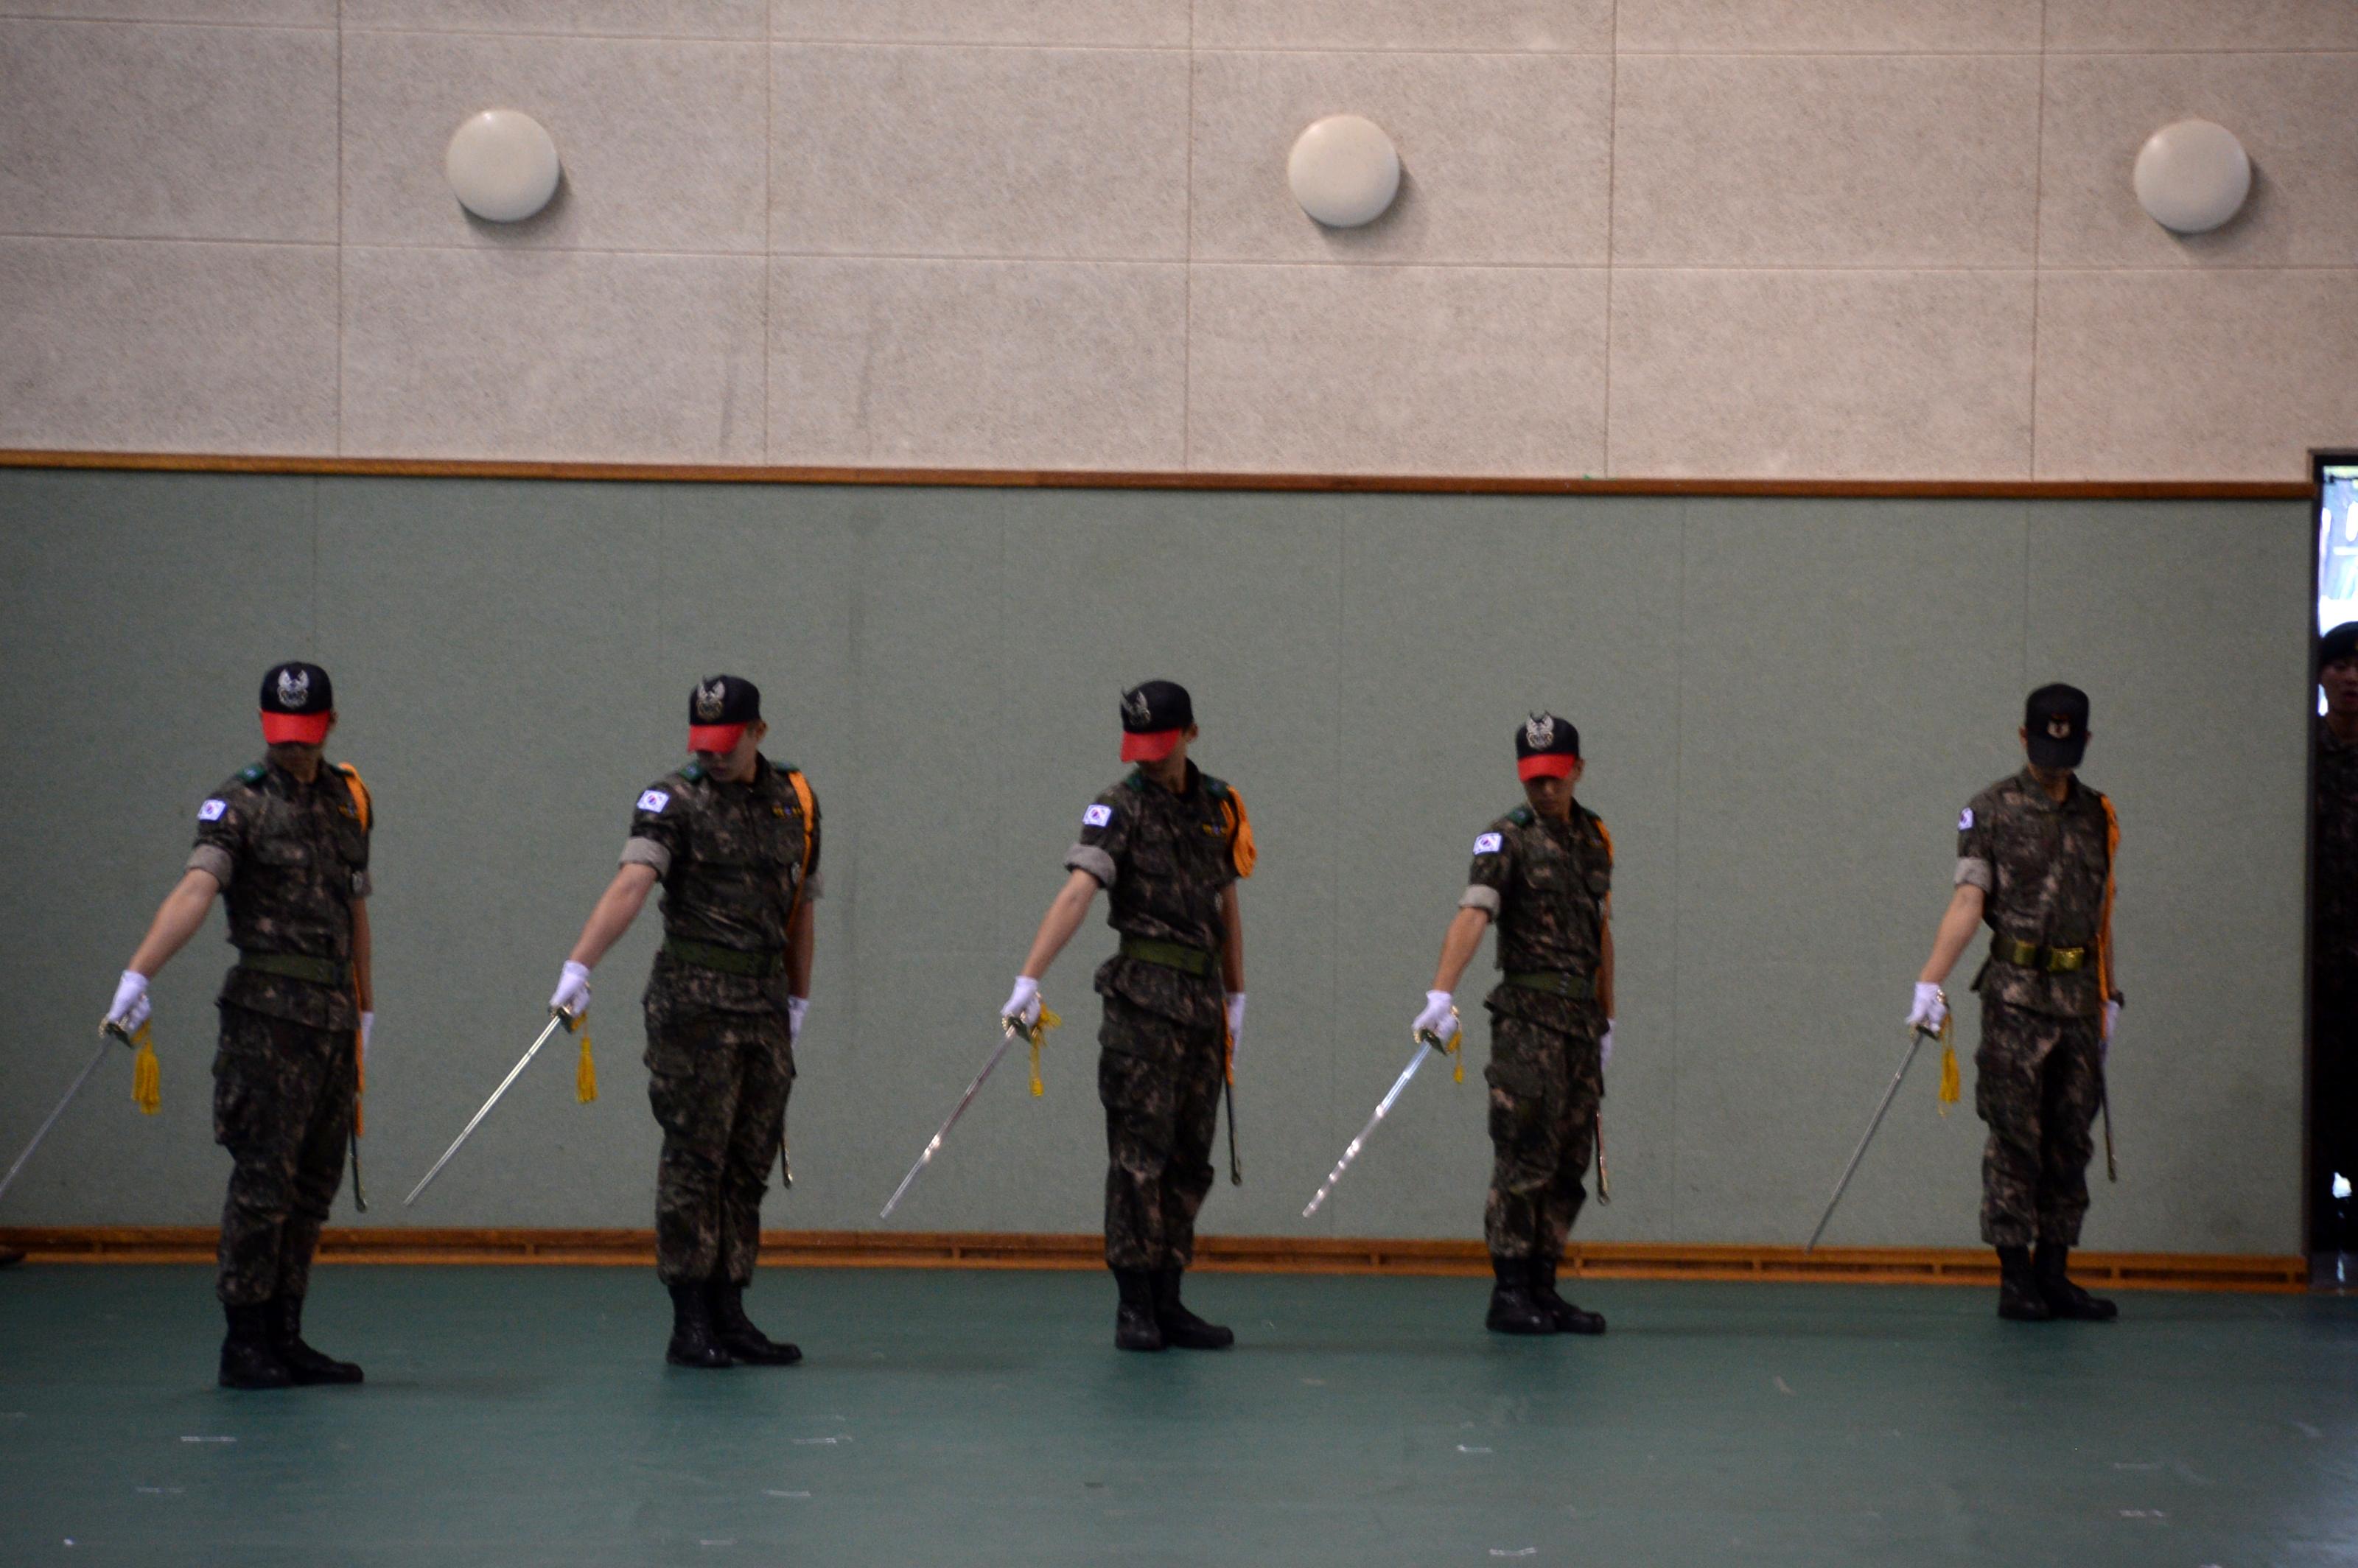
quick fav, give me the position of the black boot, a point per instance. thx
(1567, 1318)
(735, 1332)
(2063, 1298)
(307, 1365)
(692, 1342)
(1182, 1329)
(249, 1356)
(1512, 1309)
(10, 1257)
(2017, 1290)
(1134, 1328)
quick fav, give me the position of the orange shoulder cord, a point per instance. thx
(2104, 932)
(362, 803)
(1242, 851)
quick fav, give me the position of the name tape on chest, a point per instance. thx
(212, 810)
(1965, 820)
(1489, 844)
(654, 800)
(1098, 816)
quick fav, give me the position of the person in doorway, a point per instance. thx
(1544, 875)
(2333, 960)
(2035, 856)
(1168, 844)
(285, 845)
(734, 839)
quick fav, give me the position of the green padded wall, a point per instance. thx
(1784, 703)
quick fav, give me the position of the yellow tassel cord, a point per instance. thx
(146, 1074)
(585, 1072)
(1949, 1087)
(1048, 1020)
(1457, 1056)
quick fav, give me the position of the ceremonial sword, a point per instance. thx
(1428, 1044)
(1010, 1029)
(109, 1034)
(556, 1015)
(1916, 1038)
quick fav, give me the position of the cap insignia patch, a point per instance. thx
(709, 700)
(1135, 707)
(2059, 726)
(1540, 732)
(294, 688)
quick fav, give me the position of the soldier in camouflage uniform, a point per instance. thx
(2333, 962)
(1168, 844)
(734, 839)
(2035, 864)
(286, 844)
(1544, 873)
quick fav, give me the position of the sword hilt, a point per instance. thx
(568, 1019)
(111, 1030)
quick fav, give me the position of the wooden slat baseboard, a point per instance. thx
(1255, 1254)
(1090, 478)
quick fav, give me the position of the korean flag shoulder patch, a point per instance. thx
(654, 800)
(211, 810)
(1489, 844)
(1098, 815)
(1965, 820)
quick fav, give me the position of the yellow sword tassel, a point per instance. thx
(146, 1073)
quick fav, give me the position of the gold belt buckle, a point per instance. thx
(2063, 960)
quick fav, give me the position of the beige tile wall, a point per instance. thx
(1771, 238)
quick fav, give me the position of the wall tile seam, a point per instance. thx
(64, 236)
(328, 27)
(740, 40)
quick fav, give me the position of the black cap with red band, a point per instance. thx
(298, 704)
(1153, 715)
(719, 710)
(1546, 747)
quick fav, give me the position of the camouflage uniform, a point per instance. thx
(1544, 884)
(2043, 869)
(1165, 860)
(292, 859)
(720, 1060)
(2333, 961)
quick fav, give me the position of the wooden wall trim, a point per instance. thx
(1243, 1254)
(1029, 479)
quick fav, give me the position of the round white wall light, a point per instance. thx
(501, 165)
(2193, 175)
(1344, 170)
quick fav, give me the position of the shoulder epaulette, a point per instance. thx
(693, 772)
(254, 773)
(1521, 817)
(1135, 781)
(1214, 787)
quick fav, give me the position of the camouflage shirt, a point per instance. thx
(731, 861)
(1164, 860)
(2335, 878)
(1544, 884)
(2042, 867)
(291, 859)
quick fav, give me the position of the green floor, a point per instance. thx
(523, 1416)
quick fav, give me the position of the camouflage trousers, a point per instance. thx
(1545, 1085)
(2039, 1082)
(1160, 1083)
(719, 1083)
(283, 1109)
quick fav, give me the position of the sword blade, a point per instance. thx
(1383, 1108)
(477, 1120)
(1916, 1038)
(2104, 1099)
(1009, 1030)
(1236, 1171)
(82, 1078)
(1604, 1176)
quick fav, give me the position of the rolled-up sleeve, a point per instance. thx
(1104, 838)
(1478, 896)
(637, 851)
(1091, 859)
(213, 860)
(1975, 871)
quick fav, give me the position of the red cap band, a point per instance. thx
(1149, 748)
(295, 729)
(1547, 765)
(714, 737)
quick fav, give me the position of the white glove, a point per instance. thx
(368, 1027)
(2111, 1018)
(1605, 1046)
(572, 994)
(1023, 1001)
(1434, 1018)
(131, 1007)
(1236, 1026)
(797, 1009)
(1930, 1009)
